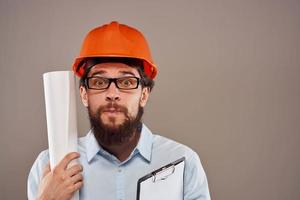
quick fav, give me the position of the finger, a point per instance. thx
(46, 170)
(73, 187)
(74, 170)
(67, 159)
(77, 186)
(70, 181)
(76, 178)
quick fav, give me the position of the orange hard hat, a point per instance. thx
(115, 40)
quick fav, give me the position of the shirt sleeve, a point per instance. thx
(195, 181)
(35, 174)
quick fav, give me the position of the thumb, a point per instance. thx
(46, 170)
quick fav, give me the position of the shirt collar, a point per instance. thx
(144, 146)
(92, 146)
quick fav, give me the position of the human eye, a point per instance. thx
(98, 82)
(127, 82)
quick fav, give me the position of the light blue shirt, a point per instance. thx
(105, 177)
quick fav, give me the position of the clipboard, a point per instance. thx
(163, 183)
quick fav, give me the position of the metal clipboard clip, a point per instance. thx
(163, 174)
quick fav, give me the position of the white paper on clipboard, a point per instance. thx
(164, 183)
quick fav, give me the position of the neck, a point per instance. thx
(123, 151)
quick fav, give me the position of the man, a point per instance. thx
(116, 77)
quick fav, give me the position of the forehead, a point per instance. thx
(113, 69)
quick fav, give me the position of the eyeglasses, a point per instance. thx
(101, 83)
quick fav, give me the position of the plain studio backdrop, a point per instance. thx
(228, 84)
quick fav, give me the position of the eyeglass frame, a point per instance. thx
(114, 80)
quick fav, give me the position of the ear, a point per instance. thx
(144, 96)
(84, 96)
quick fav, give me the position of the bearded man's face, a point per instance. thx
(115, 114)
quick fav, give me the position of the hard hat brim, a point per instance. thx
(150, 69)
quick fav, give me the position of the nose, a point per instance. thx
(112, 93)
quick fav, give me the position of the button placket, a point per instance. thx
(120, 184)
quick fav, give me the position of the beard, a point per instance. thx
(107, 135)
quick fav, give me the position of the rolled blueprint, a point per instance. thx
(60, 100)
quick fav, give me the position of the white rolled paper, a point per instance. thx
(60, 100)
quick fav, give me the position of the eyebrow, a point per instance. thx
(127, 72)
(100, 72)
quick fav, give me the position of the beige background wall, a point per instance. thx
(228, 84)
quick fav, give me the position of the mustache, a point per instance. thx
(112, 106)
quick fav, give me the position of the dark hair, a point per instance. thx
(88, 63)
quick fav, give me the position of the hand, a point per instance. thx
(61, 183)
